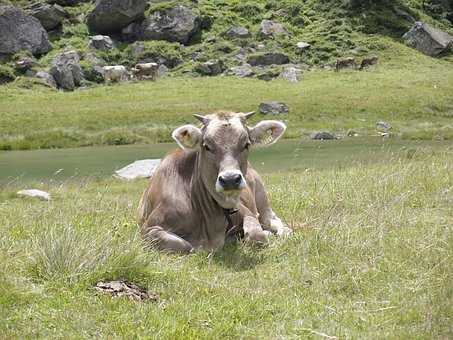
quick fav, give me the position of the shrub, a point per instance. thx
(6, 74)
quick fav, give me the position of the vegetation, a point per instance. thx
(370, 258)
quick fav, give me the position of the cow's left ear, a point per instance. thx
(187, 136)
(267, 132)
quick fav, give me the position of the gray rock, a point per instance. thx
(110, 16)
(101, 42)
(273, 108)
(428, 39)
(237, 32)
(242, 71)
(210, 68)
(162, 71)
(270, 58)
(34, 193)
(176, 24)
(267, 74)
(139, 169)
(94, 73)
(20, 31)
(383, 126)
(50, 16)
(66, 70)
(24, 64)
(269, 28)
(291, 74)
(323, 136)
(47, 78)
(302, 46)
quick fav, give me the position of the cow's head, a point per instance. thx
(223, 143)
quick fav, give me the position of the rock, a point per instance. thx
(139, 169)
(210, 68)
(345, 63)
(20, 31)
(269, 28)
(66, 70)
(237, 32)
(116, 73)
(428, 39)
(383, 126)
(368, 61)
(269, 58)
(291, 74)
(110, 16)
(101, 42)
(323, 136)
(24, 64)
(267, 74)
(273, 108)
(242, 71)
(302, 46)
(94, 73)
(50, 16)
(162, 71)
(42, 195)
(47, 78)
(176, 24)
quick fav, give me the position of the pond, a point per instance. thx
(286, 155)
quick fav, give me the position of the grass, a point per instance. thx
(371, 258)
(413, 93)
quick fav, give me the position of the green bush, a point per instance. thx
(6, 74)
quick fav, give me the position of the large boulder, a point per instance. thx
(111, 16)
(101, 42)
(428, 39)
(176, 24)
(273, 108)
(210, 68)
(66, 70)
(271, 29)
(270, 58)
(50, 16)
(20, 31)
(237, 32)
(139, 169)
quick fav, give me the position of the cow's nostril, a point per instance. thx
(230, 181)
(222, 180)
(237, 179)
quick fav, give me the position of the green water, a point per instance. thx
(283, 156)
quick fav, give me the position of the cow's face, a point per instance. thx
(223, 143)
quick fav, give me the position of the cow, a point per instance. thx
(207, 190)
(114, 74)
(368, 61)
(146, 71)
(345, 63)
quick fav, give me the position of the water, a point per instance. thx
(283, 156)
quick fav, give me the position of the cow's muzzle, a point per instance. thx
(230, 180)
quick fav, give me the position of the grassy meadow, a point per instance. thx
(370, 258)
(411, 91)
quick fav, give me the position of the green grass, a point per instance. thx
(371, 258)
(413, 93)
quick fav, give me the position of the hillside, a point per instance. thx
(227, 39)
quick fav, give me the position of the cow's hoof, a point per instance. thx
(284, 231)
(257, 237)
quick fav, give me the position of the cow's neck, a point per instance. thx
(211, 213)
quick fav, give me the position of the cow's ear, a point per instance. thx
(187, 136)
(267, 132)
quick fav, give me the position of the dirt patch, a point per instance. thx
(127, 289)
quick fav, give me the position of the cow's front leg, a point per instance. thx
(164, 240)
(253, 232)
(278, 227)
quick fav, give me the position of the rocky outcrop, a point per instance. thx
(66, 70)
(50, 16)
(176, 24)
(270, 58)
(210, 68)
(237, 32)
(111, 16)
(20, 31)
(273, 108)
(101, 42)
(270, 29)
(428, 40)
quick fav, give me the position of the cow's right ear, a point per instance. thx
(187, 136)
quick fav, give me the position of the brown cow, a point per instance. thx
(199, 192)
